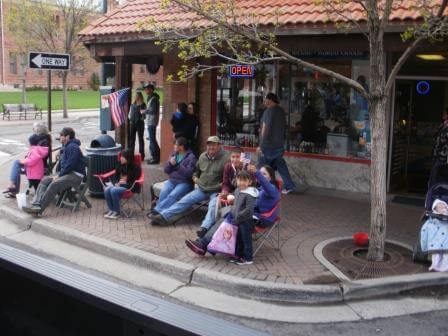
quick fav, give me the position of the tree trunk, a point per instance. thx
(377, 105)
(378, 180)
(64, 94)
(23, 70)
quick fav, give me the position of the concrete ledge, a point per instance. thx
(263, 290)
(21, 219)
(362, 289)
(176, 269)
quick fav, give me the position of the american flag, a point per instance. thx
(118, 104)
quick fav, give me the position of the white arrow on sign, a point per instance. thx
(39, 61)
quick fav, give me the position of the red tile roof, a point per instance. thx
(300, 13)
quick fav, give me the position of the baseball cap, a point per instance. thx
(213, 138)
(148, 86)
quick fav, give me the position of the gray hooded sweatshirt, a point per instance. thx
(243, 205)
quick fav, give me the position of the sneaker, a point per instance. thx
(112, 215)
(243, 262)
(195, 247)
(107, 214)
(34, 209)
(201, 233)
(287, 191)
(160, 220)
(234, 260)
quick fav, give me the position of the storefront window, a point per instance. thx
(323, 115)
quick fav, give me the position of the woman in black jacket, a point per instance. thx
(126, 173)
(185, 123)
(137, 124)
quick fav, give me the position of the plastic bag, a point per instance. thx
(224, 239)
(21, 200)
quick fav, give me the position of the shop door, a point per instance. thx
(418, 109)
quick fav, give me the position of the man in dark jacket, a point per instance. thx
(152, 120)
(70, 174)
(207, 178)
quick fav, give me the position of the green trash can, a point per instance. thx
(103, 152)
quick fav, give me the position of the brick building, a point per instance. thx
(79, 75)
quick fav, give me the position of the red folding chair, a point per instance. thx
(137, 197)
(271, 234)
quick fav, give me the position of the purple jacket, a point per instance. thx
(268, 197)
(183, 171)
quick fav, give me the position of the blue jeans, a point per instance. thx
(154, 148)
(193, 197)
(274, 158)
(171, 193)
(113, 195)
(15, 174)
(244, 240)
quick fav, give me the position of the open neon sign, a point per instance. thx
(241, 71)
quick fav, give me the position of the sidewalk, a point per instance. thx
(292, 274)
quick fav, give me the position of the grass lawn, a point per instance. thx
(75, 100)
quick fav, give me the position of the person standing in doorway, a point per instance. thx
(152, 120)
(272, 137)
(137, 124)
(440, 149)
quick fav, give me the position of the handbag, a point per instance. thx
(224, 239)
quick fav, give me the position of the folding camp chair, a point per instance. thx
(136, 197)
(73, 197)
(271, 234)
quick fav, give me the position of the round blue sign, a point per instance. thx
(423, 87)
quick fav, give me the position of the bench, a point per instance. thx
(32, 109)
(20, 110)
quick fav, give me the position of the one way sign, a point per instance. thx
(42, 60)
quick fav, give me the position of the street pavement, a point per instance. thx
(307, 220)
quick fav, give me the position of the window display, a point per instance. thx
(324, 116)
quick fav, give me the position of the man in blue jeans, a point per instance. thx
(207, 178)
(272, 140)
(152, 120)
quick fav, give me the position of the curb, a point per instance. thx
(266, 291)
(175, 269)
(224, 283)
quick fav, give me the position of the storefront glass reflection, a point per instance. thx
(323, 115)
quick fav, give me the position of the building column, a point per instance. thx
(123, 79)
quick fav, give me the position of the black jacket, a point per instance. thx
(131, 171)
(185, 126)
(134, 114)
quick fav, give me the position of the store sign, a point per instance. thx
(241, 71)
(332, 54)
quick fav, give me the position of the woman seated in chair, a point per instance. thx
(126, 173)
(180, 168)
(266, 210)
(33, 164)
(267, 207)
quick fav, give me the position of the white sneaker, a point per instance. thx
(286, 191)
(107, 214)
(114, 215)
(243, 262)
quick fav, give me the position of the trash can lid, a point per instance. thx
(103, 141)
